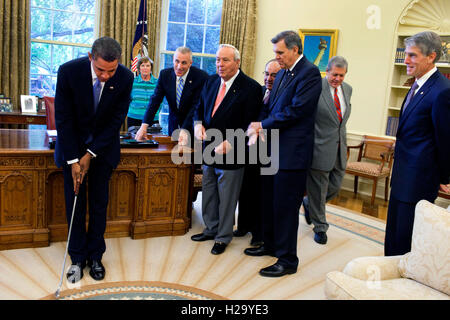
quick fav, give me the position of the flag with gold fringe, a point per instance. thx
(140, 42)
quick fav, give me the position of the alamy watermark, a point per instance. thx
(239, 153)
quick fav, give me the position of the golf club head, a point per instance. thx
(74, 274)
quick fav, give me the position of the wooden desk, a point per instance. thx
(22, 118)
(149, 195)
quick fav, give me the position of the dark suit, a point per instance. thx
(222, 181)
(166, 87)
(80, 128)
(421, 159)
(249, 214)
(292, 110)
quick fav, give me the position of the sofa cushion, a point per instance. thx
(340, 286)
(429, 259)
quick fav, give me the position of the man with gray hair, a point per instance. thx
(422, 149)
(229, 100)
(181, 86)
(329, 160)
(291, 113)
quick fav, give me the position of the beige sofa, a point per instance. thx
(423, 273)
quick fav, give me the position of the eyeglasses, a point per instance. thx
(273, 75)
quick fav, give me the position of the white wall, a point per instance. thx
(369, 52)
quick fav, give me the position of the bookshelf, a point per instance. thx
(419, 15)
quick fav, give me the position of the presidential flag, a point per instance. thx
(140, 42)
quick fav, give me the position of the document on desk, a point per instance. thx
(51, 133)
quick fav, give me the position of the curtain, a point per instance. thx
(15, 52)
(118, 21)
(238, 28)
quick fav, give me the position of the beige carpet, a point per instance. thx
(181, 263)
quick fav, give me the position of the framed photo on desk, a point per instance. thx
(29, 104)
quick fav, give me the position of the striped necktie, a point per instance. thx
(337, 104)
(97, 89)
(179, 91)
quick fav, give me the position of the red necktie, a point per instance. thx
(219, 98)
(337, 104)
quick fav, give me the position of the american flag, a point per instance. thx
(139, 36)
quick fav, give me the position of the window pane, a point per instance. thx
(209, 65)
(167, 60)
(214, 12)
(62, 26)
(64, 4)
(41, 3)
(177, 10)
(194, 38)
(196, 13)
(41, 20)
(41, 85)
(61, 54)
(196, 61)
(87, 6)
(175, 36)
(212, 39)
(79, 52)
(40, 58)
(83, 28)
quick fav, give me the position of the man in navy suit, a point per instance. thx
(422, 148)
(181, 86)
(249, 214)
(291, 110)
(91, 103)
(229, 101)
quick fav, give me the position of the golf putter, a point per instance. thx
(76, 274)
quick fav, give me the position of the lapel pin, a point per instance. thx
(111, 88)
(421, 92)
(190, 81)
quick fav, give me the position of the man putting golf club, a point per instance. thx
(91, 103)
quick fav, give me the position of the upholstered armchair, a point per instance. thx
(374, 162)
(421, 274)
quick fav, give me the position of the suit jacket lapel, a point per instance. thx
(422, 92)
(347, 103)
(328, 99)
(287, 82)
(228, 100)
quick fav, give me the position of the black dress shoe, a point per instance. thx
(75, 272)
(97, 271)
(256, 243)
(258, 252)
(218, 248)
(320, 237)
(306, 207)
(201, 237)
(276, 270)
(239, 233)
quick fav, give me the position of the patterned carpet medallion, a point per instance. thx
(141, 290)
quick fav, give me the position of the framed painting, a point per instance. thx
(445, 57)
(319, 46)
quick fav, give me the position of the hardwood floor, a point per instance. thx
(361, 203)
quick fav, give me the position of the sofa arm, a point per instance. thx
(374, 268)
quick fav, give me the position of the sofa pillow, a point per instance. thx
(429, 259)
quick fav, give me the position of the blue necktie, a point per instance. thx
(410, 95)
(179, 91)
(97, 90)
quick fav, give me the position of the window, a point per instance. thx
(61, 30)
(194, 24)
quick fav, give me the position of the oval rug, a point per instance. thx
(136, 290)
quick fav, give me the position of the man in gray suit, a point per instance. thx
(330, 146)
